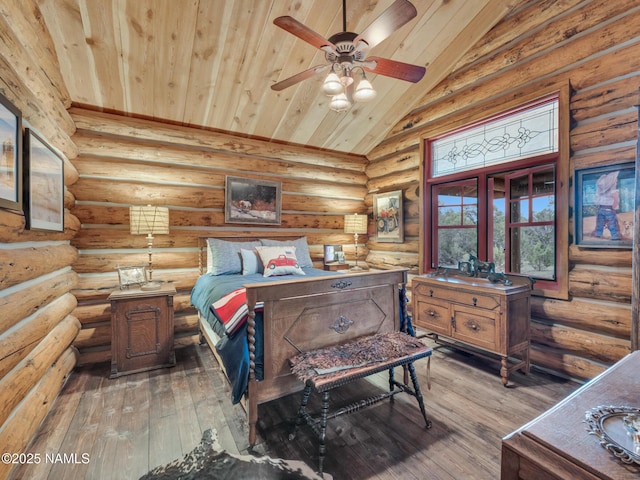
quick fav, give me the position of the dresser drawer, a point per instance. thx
(477, 327)
(464, 297)
(434, 315)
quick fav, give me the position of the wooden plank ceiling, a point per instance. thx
(211, 63)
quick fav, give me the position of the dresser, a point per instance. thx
(476, 315)
(141, 330)
(558, 445)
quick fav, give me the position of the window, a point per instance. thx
(493, 192)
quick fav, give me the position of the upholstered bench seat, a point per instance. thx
(327, 368)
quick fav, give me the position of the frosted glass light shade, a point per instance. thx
(340, 103)
(364, 91)
(332, 85)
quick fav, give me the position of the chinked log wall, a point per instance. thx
(36, 321)
(595, 46)
(126, 161)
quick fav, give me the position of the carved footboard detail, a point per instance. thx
(312, 313)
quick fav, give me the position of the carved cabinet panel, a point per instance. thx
(141, 330)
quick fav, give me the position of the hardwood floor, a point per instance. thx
(121, 428)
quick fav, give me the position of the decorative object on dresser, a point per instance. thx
(11, 159)
(476, 315)
(562, 444)
(355, 225)
(141, 330)
(387, 217)
(43, 184)
(149, 220)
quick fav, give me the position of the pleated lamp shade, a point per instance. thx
(355, 224)
(148, 219)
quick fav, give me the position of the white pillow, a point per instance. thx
(279, 261)
(251, 262)
(302, 249)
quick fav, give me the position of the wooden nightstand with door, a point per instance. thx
(141, 330)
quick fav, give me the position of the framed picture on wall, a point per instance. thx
(43, 184)
(387, 217)
(249, 200)
(604, 206)
(11, 156)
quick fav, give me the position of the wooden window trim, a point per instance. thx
(476, 113)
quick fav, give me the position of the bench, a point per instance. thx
(327, 368)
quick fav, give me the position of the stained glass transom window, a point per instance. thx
(529, 132)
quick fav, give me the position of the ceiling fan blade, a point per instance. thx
(298, 77)
(399, 13)
(303, 32)
(394, 69)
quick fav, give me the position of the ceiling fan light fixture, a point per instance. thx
(332, 85)
(340, 103)
(364, 91)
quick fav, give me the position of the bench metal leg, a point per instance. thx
(418, 393)
(323, 429)
(302, 411)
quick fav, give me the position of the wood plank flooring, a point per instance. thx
(121, 428)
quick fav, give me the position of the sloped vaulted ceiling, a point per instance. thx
(210, 63)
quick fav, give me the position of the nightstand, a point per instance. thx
(141, 330)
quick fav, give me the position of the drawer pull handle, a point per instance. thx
(431, 292)
(475, 301)
(473, 326)
(431, 313)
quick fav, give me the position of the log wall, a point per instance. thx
(127, 161)
(594, 45)
(37, 326)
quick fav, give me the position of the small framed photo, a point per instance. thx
(387, 217)
(333, 253)
(249, 200)
(129, 276)
(11, 156)
(605, 205)
(43, 184)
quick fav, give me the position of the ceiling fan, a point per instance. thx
(347, 51)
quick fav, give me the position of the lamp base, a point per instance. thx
(151, 286)
(357, 268)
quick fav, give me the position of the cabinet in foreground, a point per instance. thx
(472, 312)
(558, 445)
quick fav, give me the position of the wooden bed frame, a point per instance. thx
(303, 314)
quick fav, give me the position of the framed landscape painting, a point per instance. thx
(249, 200)
(605, 206)
(387, 217)
(11, 159)
(44, 184)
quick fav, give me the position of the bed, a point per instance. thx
(281, 315)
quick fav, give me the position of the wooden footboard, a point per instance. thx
(306, 314)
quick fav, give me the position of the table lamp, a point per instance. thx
(151, 221)
(355, 225)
